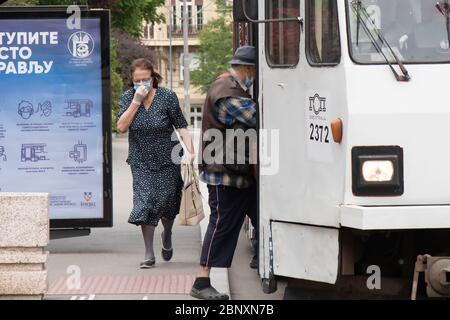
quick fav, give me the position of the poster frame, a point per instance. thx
(60, 12)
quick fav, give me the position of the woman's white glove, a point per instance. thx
(140, 95)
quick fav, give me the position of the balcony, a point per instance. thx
(177, 31)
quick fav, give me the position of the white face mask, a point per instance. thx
(146, 84)
(249, 81)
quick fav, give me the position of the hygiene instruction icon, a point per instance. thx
(33, 152)
(2, 153)
(79, 152)
(26, 109)
(79, 108)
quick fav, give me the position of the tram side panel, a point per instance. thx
(311, 203)
(299, 203)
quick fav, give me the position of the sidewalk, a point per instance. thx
(108, 259)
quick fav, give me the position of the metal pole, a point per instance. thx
(186, 60)
(170, 48)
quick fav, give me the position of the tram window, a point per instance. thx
(322, 36)
(418, 31)
(282, 38)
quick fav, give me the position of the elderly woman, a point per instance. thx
(150, 114)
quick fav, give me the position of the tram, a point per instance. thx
(354, 166)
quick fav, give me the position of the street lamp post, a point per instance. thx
(170, 48)
(186, 59)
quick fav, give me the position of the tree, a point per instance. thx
(21, 2)
(215, 52)
(216, 48)
(116, 83)
(126, 19)
(126, 15)
(223, 7)
(128, 50)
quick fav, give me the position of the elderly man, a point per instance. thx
(228, 109)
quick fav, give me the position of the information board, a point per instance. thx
(55, 113)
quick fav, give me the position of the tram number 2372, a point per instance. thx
(319, 133)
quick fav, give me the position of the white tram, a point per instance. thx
(355, 189)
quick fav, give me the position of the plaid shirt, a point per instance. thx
(228, 111)
(235, 109)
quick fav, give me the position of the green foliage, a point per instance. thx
(128, 50)
(126, 15)
(22, 2)
(215, 52)
(129, 14)
(62, 2)
(223, 7)
(116, 83)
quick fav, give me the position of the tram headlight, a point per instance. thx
(377, 171)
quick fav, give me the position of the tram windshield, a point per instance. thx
(417, 30)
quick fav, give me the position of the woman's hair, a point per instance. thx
(143, 63)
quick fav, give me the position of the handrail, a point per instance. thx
(244, 2)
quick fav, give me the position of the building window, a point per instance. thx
(322, 36)
(196, 116)
(174, 17)
(149, 31)
(200, 17)
(282, 38)
(190, 22)
(146, 31)
(189, 8)
(194, 65)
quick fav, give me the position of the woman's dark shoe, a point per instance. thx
(208, 293)
(147, 264)
(165, 253)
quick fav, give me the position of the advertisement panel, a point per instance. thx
(55, 116)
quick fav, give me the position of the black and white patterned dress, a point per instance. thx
(157, 179)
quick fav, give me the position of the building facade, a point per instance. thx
(166, 39)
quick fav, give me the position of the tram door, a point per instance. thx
(280, 108)
(246, 33)
(280, 120)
